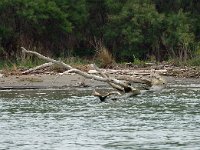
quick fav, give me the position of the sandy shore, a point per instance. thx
(47, 81)
(43, 81)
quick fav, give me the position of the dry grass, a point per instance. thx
(105, 57)
(13, 70)
(83, 67)
(57, 68)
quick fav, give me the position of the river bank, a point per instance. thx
(43, 81)
(47, 78)
(73, 119)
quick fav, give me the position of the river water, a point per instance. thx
(74, 120)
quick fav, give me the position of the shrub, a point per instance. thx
(194, 61)
(105, 57)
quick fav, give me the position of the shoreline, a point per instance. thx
(47, 81)
(55, 81)
(48, 78)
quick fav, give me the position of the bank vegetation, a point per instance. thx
(107, 31)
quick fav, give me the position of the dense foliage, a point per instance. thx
(159, 29)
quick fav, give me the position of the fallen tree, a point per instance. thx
(122, 83)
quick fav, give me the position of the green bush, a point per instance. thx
(194, 61)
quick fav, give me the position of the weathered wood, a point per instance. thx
(60, 63)
(109, 80)
(37, 68)
(120, 82)
(148, 77)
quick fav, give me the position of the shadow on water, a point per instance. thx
(63, 119)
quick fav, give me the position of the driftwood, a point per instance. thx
(130, 72)
(37, 67)
(121, 83)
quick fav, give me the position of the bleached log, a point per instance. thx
(38, 67)
(106, 76)
(149, 78)
(132, 72)
(84, 74)
(117, 84)
(93, 72)
(60, 63)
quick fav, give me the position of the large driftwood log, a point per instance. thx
(120, 83)
(37, 67)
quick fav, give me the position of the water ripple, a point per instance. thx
(60, 119)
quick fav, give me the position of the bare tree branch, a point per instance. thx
(38, 67)
(120, 82)
(60, 63)
(109, 80)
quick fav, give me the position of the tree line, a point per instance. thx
(162, 29)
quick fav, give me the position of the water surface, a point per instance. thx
(62, 119)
